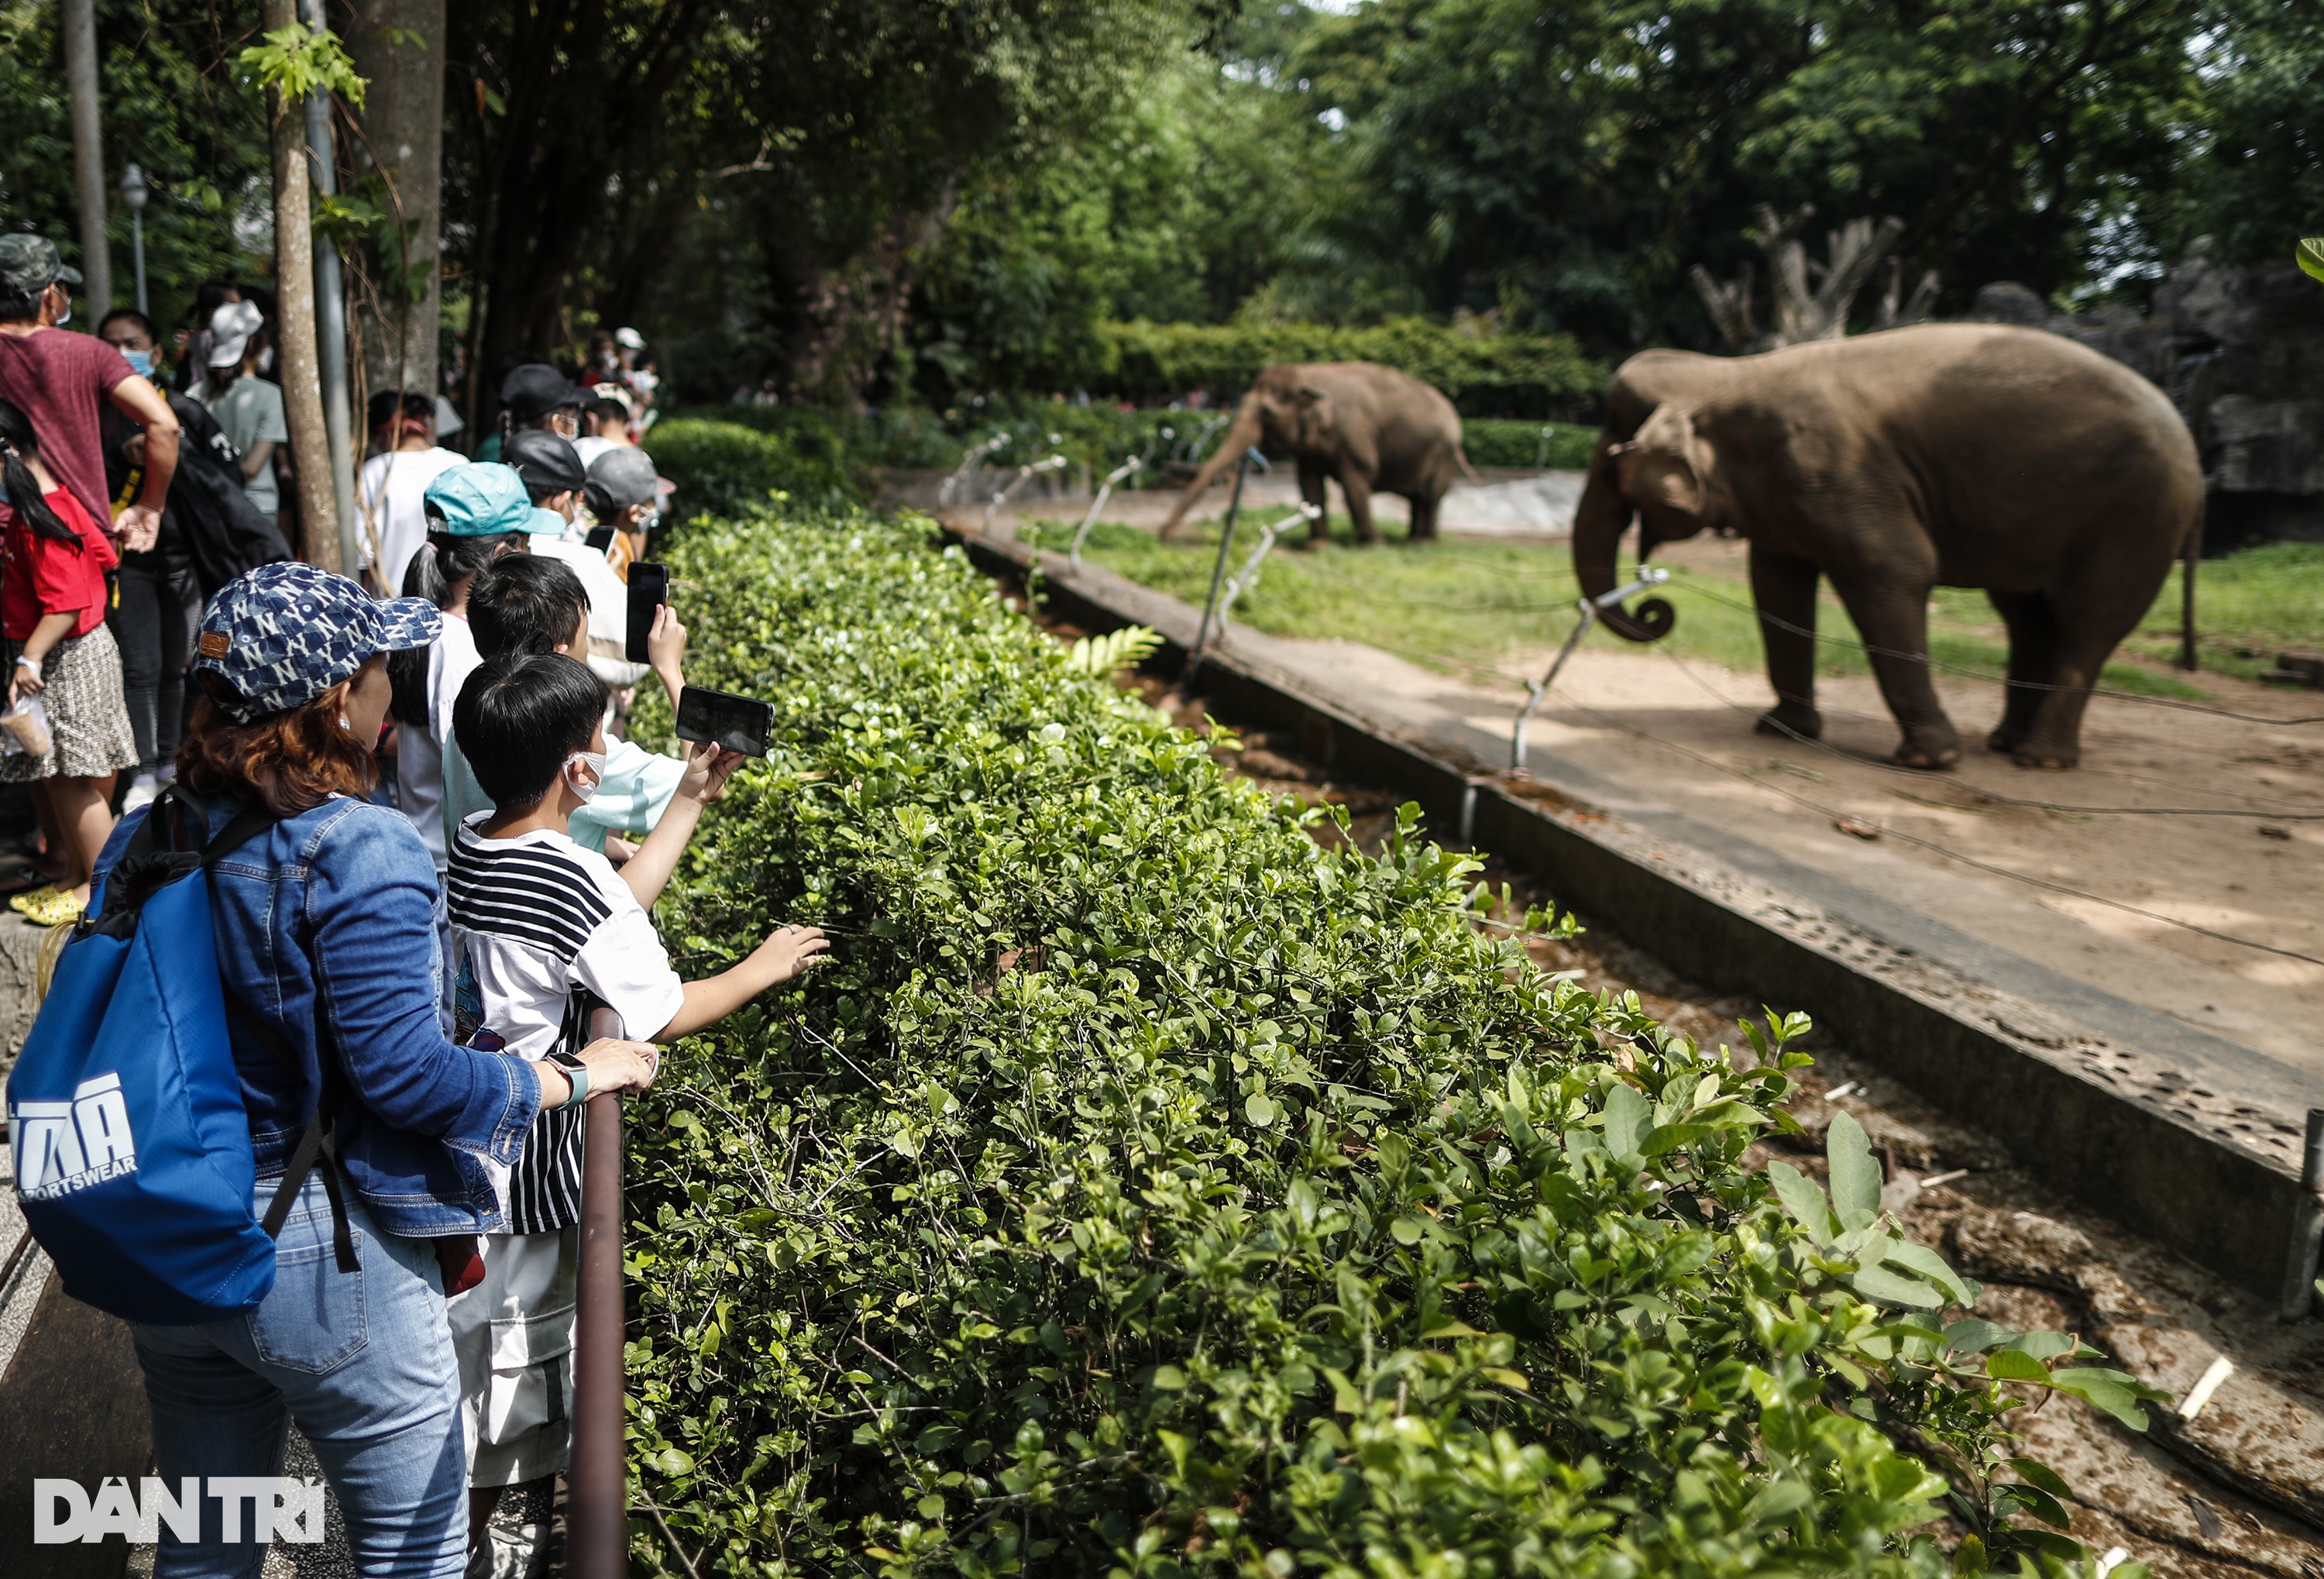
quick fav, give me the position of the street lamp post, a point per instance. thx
(133, 197)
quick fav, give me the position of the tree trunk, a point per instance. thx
(403, 124)
(294, 284)
(1809, 300)
(80, 18)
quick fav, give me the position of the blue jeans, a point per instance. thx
(361, 1361)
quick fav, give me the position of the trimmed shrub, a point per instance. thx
(726, 468)
(1492, 442)
(1148, 1190)
(1538, 375)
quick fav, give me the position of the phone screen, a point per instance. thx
(649, 590)
(734, 723)
(600, 538)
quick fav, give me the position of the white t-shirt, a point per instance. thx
(542, 928)
(591, 447)
(392, 493)
(608, 607)
(420, 753)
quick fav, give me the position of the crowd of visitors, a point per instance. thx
(446, 855)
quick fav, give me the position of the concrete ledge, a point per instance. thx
(2182, 1137)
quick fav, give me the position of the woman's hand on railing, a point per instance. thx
(614, 1065)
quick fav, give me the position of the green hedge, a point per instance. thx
(1149, 1190)
(1099, 436)
(724, 468)
(1495, 442)
(1539, 375)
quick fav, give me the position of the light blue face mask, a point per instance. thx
(141, 362)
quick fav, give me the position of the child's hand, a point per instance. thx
(708, 768)
(788, 951)
(666, 649)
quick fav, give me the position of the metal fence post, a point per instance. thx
(597, 1507)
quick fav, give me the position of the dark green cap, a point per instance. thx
(29, 264)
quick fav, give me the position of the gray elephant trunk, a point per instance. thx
(1598, 522)
(1241, 435)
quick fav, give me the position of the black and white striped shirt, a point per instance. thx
(542, 932)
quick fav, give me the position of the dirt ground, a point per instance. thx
(2178, 867)
(2236, 1490)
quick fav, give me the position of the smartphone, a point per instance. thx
(600, 538)
(649, 590)
(731, 721)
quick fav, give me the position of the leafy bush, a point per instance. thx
(1148, 1189)
(1494, 442)
(1497, 375)
(1099, 436)
(724, 468)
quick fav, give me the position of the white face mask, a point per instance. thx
(266, 360)
(595, 760)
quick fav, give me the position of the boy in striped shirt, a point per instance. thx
(543, 932)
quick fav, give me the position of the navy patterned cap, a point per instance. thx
(283, 635)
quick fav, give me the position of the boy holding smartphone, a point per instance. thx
(544, 932)
(533, 604)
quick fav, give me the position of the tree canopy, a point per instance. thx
(902, 200)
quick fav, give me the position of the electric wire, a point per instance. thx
(1717, 766)
(1693, 585)
(1992, 795)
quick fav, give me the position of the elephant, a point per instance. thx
(1958, 455)
(1372, 428)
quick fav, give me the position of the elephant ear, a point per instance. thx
(1314, 409)
(1666, 464)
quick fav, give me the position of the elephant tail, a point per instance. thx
(1461, 454)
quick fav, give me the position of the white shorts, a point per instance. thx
(513, 1336)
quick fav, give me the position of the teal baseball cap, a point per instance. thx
(481, 499)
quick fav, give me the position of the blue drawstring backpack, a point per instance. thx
(131, 1142)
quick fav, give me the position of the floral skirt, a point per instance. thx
(88, 721)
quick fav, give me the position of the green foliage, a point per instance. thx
(1561, 446)
(1528, 375)
(2255, 139)
(2309, 255)
(1148, 1189)
(1126, 648)
(299, 62)
(722, 468)
(170, 102)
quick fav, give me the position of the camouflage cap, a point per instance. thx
(29, 264)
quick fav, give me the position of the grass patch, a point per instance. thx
(1466, 607)
(2248, 607)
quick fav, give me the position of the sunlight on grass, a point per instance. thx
(1471, 606)
(2248, 607)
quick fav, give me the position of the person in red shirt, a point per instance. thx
(53, 598)
(57, 378)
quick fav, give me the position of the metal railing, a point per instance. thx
(597, 1500)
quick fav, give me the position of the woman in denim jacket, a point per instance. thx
(326, 943)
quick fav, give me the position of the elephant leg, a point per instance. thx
(1315, 487)
(2089, 628)
(1423, 516)
(2032, 664)
(1785, 588)
(1358, 490)
(1892, 615)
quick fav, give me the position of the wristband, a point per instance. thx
(578, 1074)
(31, 663)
